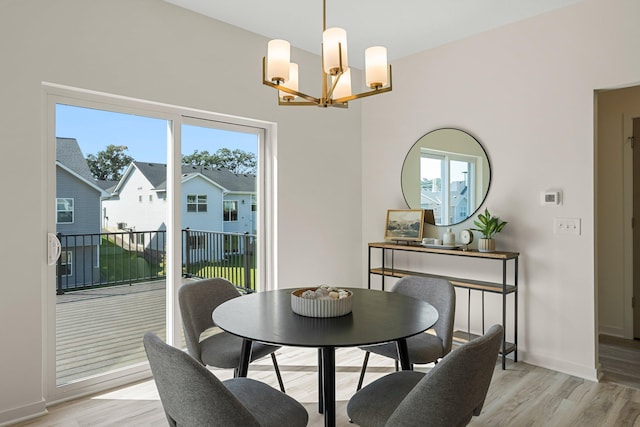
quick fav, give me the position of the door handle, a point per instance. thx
(54, 249)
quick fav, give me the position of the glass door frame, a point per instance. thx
(53, 94)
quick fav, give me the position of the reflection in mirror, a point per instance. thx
(446, 170)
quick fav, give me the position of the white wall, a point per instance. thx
(151, 50)
(526, 92)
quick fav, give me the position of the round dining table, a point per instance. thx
(376, 317)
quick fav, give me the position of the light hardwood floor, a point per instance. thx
(521, 395)
(620, 360)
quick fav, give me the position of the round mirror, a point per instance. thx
(447, 171)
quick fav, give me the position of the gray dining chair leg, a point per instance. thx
(364, 368)
(277, 369)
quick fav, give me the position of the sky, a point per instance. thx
(431, 168)
(144, 137)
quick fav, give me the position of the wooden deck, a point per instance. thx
(100, 330)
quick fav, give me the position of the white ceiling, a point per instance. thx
(403, 26)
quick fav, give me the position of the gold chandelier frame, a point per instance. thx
(329, 82)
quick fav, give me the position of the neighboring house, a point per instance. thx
(213, 200)
(238, 208)
(138, 201)
(77, 212)
(458, 202)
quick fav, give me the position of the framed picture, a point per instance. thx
(404, 224)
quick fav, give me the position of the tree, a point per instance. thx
(237, 161)
(110, 163)
(198, 158)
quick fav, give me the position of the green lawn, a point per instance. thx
(119, 265)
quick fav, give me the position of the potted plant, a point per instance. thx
(489, 226)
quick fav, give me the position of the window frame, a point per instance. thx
(73, 210)
(445, 159)
(198, 203)
(267, 260)
(234, 210)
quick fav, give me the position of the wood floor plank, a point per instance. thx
(522, 396)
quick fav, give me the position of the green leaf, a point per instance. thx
(488, 225)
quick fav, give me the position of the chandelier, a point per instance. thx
(282, 74)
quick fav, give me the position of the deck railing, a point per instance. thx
(228, 255)
(98, 260)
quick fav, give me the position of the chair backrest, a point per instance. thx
(455, 389)
(197, 301)
(440, 294)
(191, 395)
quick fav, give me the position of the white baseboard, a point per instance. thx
(614, 331)
(585, 372)
(23, 413)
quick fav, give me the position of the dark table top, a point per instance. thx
(376, 317)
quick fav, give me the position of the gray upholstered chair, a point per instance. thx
(449, 395)
(423, 348)
(192, 396)
(197, 301)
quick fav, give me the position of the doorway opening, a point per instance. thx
(617, 247)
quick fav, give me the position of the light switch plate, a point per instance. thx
(566, 226)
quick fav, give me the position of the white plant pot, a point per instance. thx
(486, 245)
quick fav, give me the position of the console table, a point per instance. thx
(505, 287)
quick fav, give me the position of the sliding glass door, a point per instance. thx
(143, 197)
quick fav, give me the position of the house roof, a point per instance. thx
(233, 182)
(68, 153)
(156, 174)
(69, 157)
(107, 185)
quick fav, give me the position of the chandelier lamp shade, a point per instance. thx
(280, 73)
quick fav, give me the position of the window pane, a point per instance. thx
(222, 169)
(431, 192)
(64, 210)
(458, 190)
(113, 245)
(231, 210)
(202, 203)
(65, 217)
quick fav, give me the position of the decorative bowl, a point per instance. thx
(316, 307)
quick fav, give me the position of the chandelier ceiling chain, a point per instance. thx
(280, 73)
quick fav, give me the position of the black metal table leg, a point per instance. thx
(329, 385)
(245, 358)
(403, 355)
